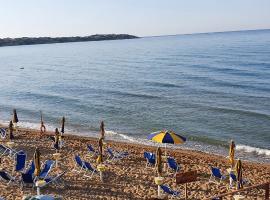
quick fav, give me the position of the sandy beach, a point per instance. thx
(128, 178)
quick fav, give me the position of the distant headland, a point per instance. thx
(50, 40)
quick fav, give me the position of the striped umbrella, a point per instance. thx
(239, 171)
(231, 153)
(37, 162)
(166, 137)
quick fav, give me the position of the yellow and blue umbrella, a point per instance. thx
(167, 137)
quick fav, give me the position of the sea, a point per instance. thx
(210, 88)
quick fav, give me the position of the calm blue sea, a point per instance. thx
(210, 88)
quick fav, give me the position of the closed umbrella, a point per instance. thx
(166, 137)
(63, 125)
(100, 147)
(102, 130)
(232, 153)
(37, 162)
(56, 139)
(239, 171)
(15, 117)
(11, 128)
(159, 161)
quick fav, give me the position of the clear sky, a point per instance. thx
(34, 18)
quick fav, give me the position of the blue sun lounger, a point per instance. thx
(114, 155)
(173, 165)
(168, 190)
(6, 177)
(91, 150)
(20, 161)
(3, 133)
(216, 174)
(83, 166)
(47, 167)
(4, 150)
(150, 158)
(234, 178)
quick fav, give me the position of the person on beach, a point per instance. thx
(42, 126)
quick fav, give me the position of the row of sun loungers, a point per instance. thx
(171, 162)
(27, 174)
(217, 176)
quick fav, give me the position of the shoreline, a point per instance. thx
(127, 178)
(208, 149)
(177, 148)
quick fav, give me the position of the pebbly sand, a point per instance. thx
(128, 178)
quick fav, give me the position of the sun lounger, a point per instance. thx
(3, 133)
(27, 179)
(83, 166)
(91, 150)
(20, 161)
(150, 158)
(4, 150)
(31, 168)
(54, 180)
(6, 177)
(168, 190)
(113, 156)
(234, 179)
(42, 197)
(216, 174)
(173, 165)
(47, 167)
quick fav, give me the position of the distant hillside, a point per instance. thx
(49, 40)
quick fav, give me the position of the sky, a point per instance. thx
(54, 18)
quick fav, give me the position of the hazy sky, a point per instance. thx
(139, 17)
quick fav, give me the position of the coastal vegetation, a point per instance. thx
(49, 40)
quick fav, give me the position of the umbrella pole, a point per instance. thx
(165, 161)
(165, 149)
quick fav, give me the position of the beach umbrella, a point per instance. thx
(10, 127)
(63, 125)
(100, 147)
(15, 117)
(159, 161)
(239, 171)
(166, 137)
(102, 130)
(37, 162)
(56, 139)
(232, 153)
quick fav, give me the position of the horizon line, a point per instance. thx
(212, 32)
(195, 33)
